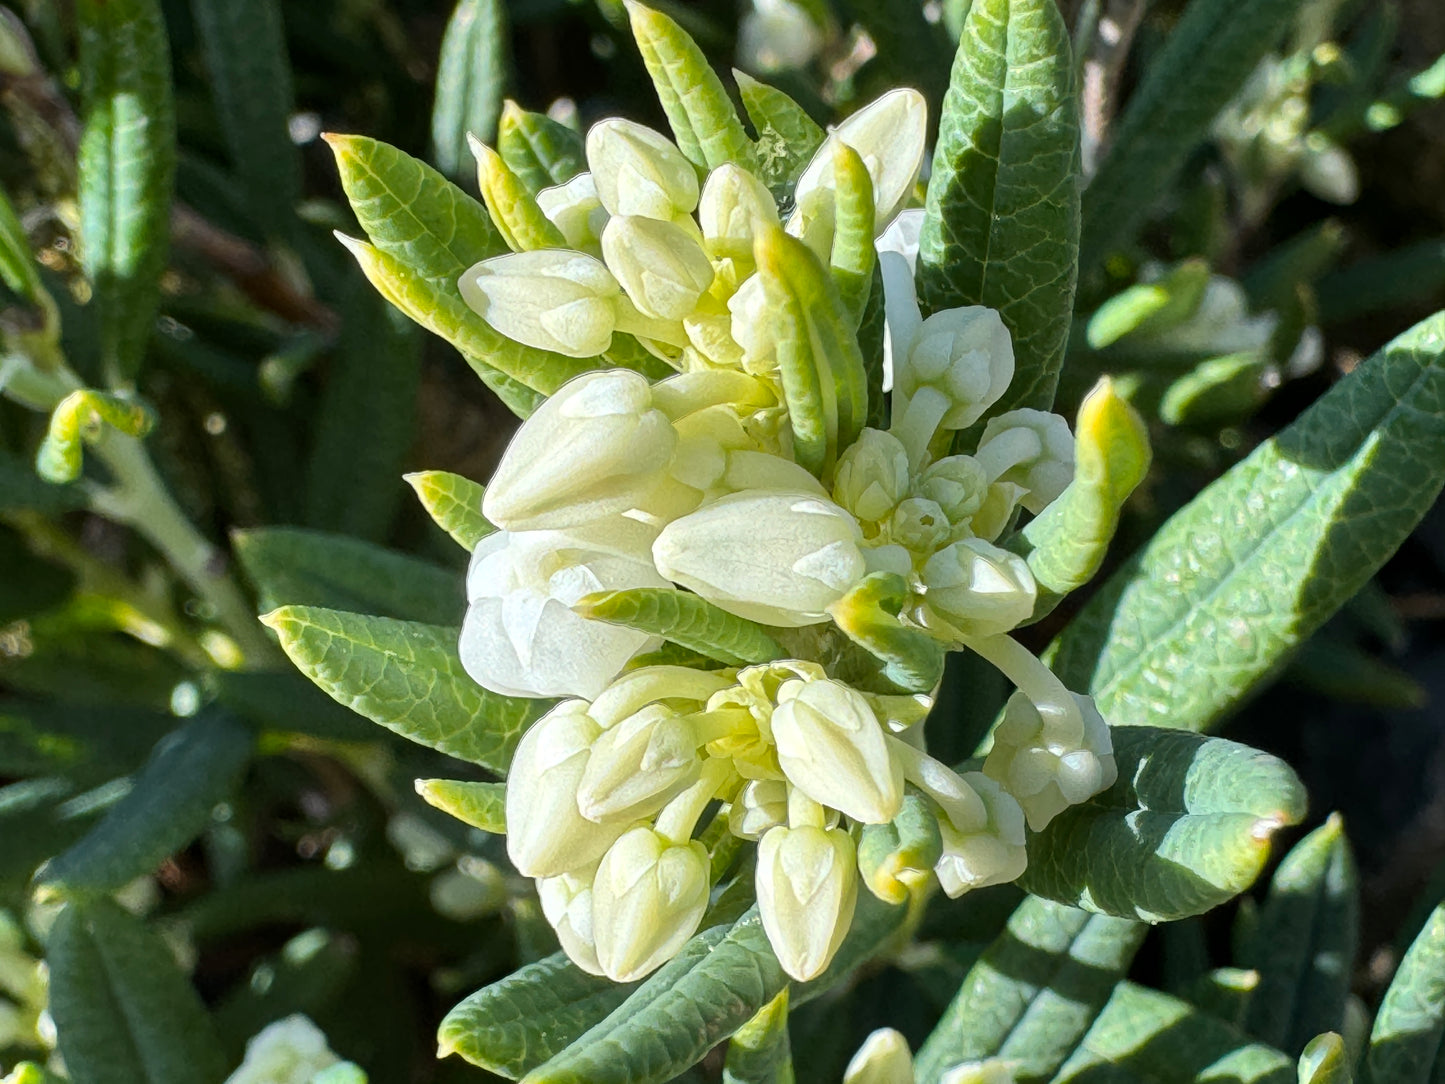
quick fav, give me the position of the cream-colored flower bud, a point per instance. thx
(552, 299)
(832, 747)
(1051, 759)
(775, 557)
(754, 326)
(577, 211)
(872, 476)
(1031, 448)
(983, 843)
(734, 205)
(884, 1058)
(647, 900)
(637, 765)
(639, 171)
(660, 265)
(919, 525)
(566, 901)
(760, 805)
(978, 589)
(988, 1071)
(711, 335)
(292, 1050)
(546, 833)
(958, 484)
(807, 884)
(965, 354)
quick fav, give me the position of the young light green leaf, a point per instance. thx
(853, 256)
(685, 619)
(1325, 1061)
(1406, 1043)
(1186, 827)
(759, 1052)
(471, 74)
(1211, 52)
(407, 677)
(1225, 993)
(512, 206)
(1002, 225)
(703, 120)
(481, 805)
(1150, 307)
(292, 566)
(127, 170)
(541, 151)
(124, 1013)
(1218, 391)
(1258, 561)
(1143, 1036)
(1034, 992)
(787, 136)
(188, 774)
(245, 50)
(80, 416)
(454, 502)
(1304, 944)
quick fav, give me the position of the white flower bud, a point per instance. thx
(807, 884)
(884, 1058)
(1032, 449)
(576, 210)
(597, 447)
(734, 205)
(760, 805)
(637, 765)
(647, 900)
(832, 748)
(762, 470)
(983, 842)
(988, 1071)
(662, 268)
(1051, 759)
(966, 355)
(711, 335)
(872, 476)
(639, 171)
(754, 326)
(777, 35)
(957, 483)
(566, 901)
(919, 525)
(289, 1051)
(551, 299)
(979, 589)
(546, 833)
(776, 557)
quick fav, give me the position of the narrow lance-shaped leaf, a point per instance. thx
(911, 659)
(481, 805)
(471, 74)
(1186, 827)
(853, 256)
(1325, 1061)
(541, 151)
(759, 1052)
(1406, 1043)
(1254, 564)
(127, 170)
(1034, 992)
(787, 136)
(513, 208)
(18, 269)
(408, 677)
(1002, 224)
(685, 619)
(454, 502)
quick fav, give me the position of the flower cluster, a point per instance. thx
(749, 480)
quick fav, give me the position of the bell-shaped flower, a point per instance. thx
(566, 901)
(872, 476)
(598, 447)
(637, 765)
(957, 483)
(639, 171)
(577, 211)
(1032, 449)
(776, 557)
(983, 843)
(660, 265)
(734, 206)
(807, 884)
(884, 1058)
(1051, 759)
(546, 833)
(647, 900)
(832, 747)
(919, 525)
(977, 589)
(761, 804)
(551, 299)
(520, 636)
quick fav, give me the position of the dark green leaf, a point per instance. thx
(286, 701)
(541, 151)
(21, 489)
(470, 76)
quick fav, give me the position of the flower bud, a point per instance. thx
(988, 1071)
(919, 525)
(734, 204)
(711, 335)
(662, 268)
(551, 299)
(958, 484)
(760, 805)
(872, 476)
(637, 765)
(832, 748)
(290, 1050)
(1051, 759)
(647, 900)
(776, 35)
(978, 589)
(575, 209)
(566, 901)
(983, 843)
(965, 354)
(776, 557)
(884, 1058)
(546, 833)
(639, 171)
(1031, 448)
(897, 858)
(807, 887)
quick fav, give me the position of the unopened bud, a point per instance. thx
(832, 748)
(760, 805)
(551, 299)
(958, 484)
(577, 211)
(639, 171)
(566, 901)
(636, 766)
(884, 1058)
(872, 476)
(1031, 448)
(979, 589)
(734, 204)
(1051, 759)
(647, 900)
(807, 885)
(982, 845)
(662, 268)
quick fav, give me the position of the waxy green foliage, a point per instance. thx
(541, 151)
(455, 503)
(685, 619)
(1407, 1045)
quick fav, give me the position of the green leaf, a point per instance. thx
(127, 169)
(1226, 993)
(1002, 224)
(41, 816)
(481, 805)
(787, 136)
(1186, 827)
(18, 269)
(1406, 1043)
(759, 1052)
(85, 744)
(407, 677)
(471, 74)
(190, 772)
(853, 256)
(21, 489)
(686, 619)
(1143, 1036)
(124, 1013)
(513, 208)
(1218, 391)
(291, 566)
(454, 502)
(704, 122)
(541, 151)
(1254, 564)
(245, 50)
(1325, 1061)
(1214, 48)
(1304, 943)
(1034, 992)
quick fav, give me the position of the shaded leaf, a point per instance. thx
(1325, 1060)
(685, 619)
(21, 489)
(471, 74)
(1406, 1043)
(759, 1052)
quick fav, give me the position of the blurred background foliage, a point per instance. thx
(273, 840)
